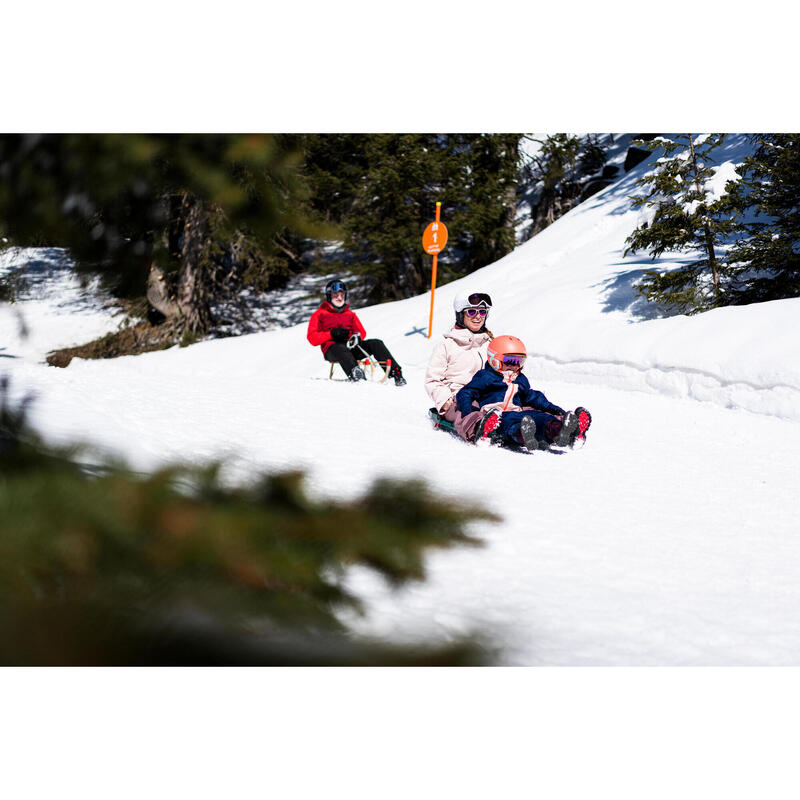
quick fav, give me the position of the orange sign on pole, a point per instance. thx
(434, 240)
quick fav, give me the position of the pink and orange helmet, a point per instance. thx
(508, 349)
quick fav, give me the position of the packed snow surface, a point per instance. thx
(671, 538)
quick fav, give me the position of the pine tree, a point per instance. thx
(393, 203)
(593, 155)
(766, 261)
(155, 214)
(103, 566)
(383, 188)
(484, 224)
(685, 218)
(555, 172)
(335, 164)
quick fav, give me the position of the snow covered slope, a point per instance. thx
(671, 538)
(53, 308)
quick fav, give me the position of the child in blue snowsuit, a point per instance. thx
(519, 415)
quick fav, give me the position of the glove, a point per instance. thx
(354, 340)
(340, 335)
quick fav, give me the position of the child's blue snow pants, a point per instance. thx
(510, 422)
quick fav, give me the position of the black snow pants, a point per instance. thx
(341, 354)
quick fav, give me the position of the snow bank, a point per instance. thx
(569, 294)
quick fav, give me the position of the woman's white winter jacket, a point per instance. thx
(456, 357)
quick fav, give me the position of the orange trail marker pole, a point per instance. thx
(434, 240)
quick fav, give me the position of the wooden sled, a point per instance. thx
(368, 366)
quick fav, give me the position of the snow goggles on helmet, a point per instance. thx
(513, 360)
(476, 312)
(337, 286)
(480, 299)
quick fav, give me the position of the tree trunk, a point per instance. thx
(511, 206)
(709, 239)
(193, 291)
(159, 295)
(185, 300)
(712, 258)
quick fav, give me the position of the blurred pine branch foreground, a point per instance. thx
(103, 566)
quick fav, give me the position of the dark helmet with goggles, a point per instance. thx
(336, 285)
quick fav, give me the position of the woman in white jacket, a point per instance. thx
(457, 356)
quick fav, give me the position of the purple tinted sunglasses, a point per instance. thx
(476, 312)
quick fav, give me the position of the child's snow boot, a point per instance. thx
(584, 421)
(569, 430)
(484, 428)
(527, 428)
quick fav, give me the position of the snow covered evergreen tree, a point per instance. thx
(685, 217)
(555, 168)
(555, 178)
(766, 264)
(593, 155)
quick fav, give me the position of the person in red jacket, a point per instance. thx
(333, 326)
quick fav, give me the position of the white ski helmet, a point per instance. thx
(465, 300)
(471, 300)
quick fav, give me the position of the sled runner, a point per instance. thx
(374, 370)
